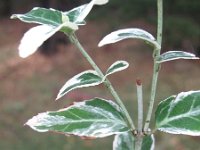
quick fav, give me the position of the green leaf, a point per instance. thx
(173, 55)
(92, 118)
(41, 16)
(180, 114)
(116, 67)
(126, 141)
(134, 33)
(84, 79)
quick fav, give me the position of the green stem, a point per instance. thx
(160, 22)
(138, 142)
(106, 82)
(140, 105)
(156, 65)
(139, 137)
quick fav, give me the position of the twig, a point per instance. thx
(156, 65)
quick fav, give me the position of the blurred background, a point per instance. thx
(29, 86)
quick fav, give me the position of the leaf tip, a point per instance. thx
(25, 124)
(58, 96)
(100, 2)
(35, 8)
(22, 55)
(100, 44)
(13, 16)
(25, 51)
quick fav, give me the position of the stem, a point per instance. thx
(139, 136)
(160, 22)
(140, 105)
(156, 65)
(138, 142)
(106, 82)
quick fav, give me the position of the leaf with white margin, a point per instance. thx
(173, 55)
(35, 37)
(45, 16)
(74, 13)
(148, 142)
(95, 118)
(128, 33)
(100, 2)
(116, 67)
(41, 16)
(180, 114)
(78, 14)
(126, 141)
(84, 79)
(85, 9)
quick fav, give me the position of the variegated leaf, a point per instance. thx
(180, 114)
(35, 37)
(126, 141)
(117, 66)
(134, 33)
(84, 79)
(79, 14)
(174, 55)
(92, 118)
(41, 16)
